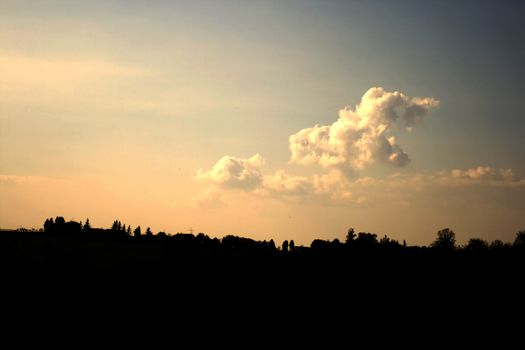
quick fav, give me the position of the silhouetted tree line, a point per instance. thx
(59, 227)
(362, 242)
(71, 259)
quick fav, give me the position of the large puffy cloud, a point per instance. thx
(235, 172)
(360, 136)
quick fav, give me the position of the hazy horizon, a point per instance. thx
(265, 119)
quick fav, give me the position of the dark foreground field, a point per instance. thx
(188, 272)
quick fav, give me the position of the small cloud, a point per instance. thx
(235, 172)
(483, 173)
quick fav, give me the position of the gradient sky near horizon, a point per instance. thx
(266, 119)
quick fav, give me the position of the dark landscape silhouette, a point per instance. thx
(73, 262)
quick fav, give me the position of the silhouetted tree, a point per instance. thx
(271, 245)
(148, 232)
(203, 239)
(389, 243)
(128, 232)
(446, 240)
(137, 232)
(58, 226)
(285, 246)
(48, 225)
(497, 244)
(365, 241)
(384, 240)
(292, 244)
(59, 221)
(350, 236)
(72, 227)
(236, 243)
(319, 245)
(519, 241)
(477, 245)
(87, 225)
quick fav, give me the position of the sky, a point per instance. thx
(265, 119)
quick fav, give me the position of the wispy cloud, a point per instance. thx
(210, 198)
(335, 186)
(70, 85)
(27, 180)
(29, 71)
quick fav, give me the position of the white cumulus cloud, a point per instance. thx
(360, 136)
(235, 172)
